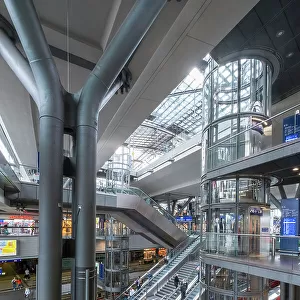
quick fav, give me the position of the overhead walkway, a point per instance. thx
(132, 206)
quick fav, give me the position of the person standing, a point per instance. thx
(176, 281)
(5, 231)
(131, 293)
(138, 283)
(183, 289)
(14, 283)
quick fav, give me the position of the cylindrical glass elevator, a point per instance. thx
(116, 258)
(236, 108)
(118, 170)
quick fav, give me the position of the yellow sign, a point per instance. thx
(8, 247)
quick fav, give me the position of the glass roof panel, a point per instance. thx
(175, 120)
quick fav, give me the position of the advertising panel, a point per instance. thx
(8, 248)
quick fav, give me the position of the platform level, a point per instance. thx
(258, 255)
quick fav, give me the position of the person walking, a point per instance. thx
(176, 281)
(27, 274)
(19, 283)
(27, 292)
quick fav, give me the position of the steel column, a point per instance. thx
(105, 72)
(51, 110)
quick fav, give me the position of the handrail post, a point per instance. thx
(273, 246)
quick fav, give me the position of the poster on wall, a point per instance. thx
(8, 248)
(289, 225)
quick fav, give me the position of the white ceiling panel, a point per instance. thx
(219, 18)
(181, 62)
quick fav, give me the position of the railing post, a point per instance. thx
(87, 275)
(273, 246)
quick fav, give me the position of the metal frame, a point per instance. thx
(177, 119)
(77, 114)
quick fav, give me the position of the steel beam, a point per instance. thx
(282, 192)
(19, 65)
(275, 201)
(51, 109)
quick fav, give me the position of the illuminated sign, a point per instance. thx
(289, 226)
(8, 248)
(184, 219)
(21, 217)
(256, 211)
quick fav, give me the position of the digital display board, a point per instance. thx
(184, 219)
(291, 128)
(289, 226)
(8, 248)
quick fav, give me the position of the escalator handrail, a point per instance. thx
(188, 278)
(158, 263)
(156, 203)
(140, 291)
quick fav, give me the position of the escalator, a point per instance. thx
(187, 273)
(177, 258)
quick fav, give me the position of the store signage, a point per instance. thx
(184, 219)
(291, 128)
(289, 225)
(257, 211)
(8, 248)
(20, 217)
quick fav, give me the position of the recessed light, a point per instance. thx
(296, 169)
(289, 54)
(280, 33)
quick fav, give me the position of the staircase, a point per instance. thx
(162, 275)
(168, 290)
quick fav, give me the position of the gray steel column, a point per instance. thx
(105, 72)
(51, 109)
(18, 64)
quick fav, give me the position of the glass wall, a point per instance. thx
(224, 284)
(236, 98)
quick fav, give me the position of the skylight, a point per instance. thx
(175, 120)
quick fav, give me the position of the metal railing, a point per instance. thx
(19, 231)
(190, 279)
(249, 247)
(159, 266)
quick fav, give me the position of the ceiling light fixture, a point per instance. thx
(289, 54)
(280, 33)
(296, 169)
